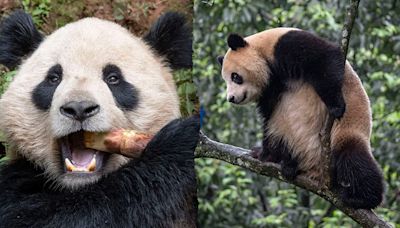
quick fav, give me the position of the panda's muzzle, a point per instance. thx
(78, 158)
(235, 100)
(80, 110)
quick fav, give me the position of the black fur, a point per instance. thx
(356, 175)
(289, 164)
(42, 95)
(2, 150)
(156, 190)
(125, 94)
(171, 37)
(235, 41)
(18, 38)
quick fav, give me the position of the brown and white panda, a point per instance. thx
(298, 80)
(94, 76)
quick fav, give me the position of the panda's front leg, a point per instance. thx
(330, 92)
(327, 80)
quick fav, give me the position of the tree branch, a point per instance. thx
(325, 134)
(351, 15)
(208, 148)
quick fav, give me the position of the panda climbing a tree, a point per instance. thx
(297, 80)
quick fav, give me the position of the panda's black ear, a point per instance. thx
(220, 59)
(171, 37)
(18, 38)
(235, 41)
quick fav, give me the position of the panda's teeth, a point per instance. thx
(92, 165)
(72, 168)
(68, 164)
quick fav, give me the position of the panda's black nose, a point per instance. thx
(80, 110)
(232, 99)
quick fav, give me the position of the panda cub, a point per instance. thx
(297, 80)
(94, 76)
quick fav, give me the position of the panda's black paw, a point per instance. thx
(357, 178)
(290, 168)
(338, 109)
(289, 172)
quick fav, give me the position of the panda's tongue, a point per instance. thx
(82, 157)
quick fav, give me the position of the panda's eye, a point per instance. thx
(112, 79)
(236, 78)
(54, 79)
(54, 75)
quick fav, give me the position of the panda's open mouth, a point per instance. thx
(77, 158)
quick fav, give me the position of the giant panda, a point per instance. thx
(93, 75)
(297, 80)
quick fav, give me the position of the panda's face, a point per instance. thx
(91, 75)
(245, 73)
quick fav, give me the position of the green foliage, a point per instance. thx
(374, 54)
(3, 160)
(5, 79)
(187, 92)
(39, 10)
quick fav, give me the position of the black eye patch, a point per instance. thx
(237, 78)
(42, 95)
(125, 94)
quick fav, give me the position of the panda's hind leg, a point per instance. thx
(356, 175)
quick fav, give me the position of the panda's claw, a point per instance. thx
(256, 152)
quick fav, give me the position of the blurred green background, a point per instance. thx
(232, 197)
(135, 15)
